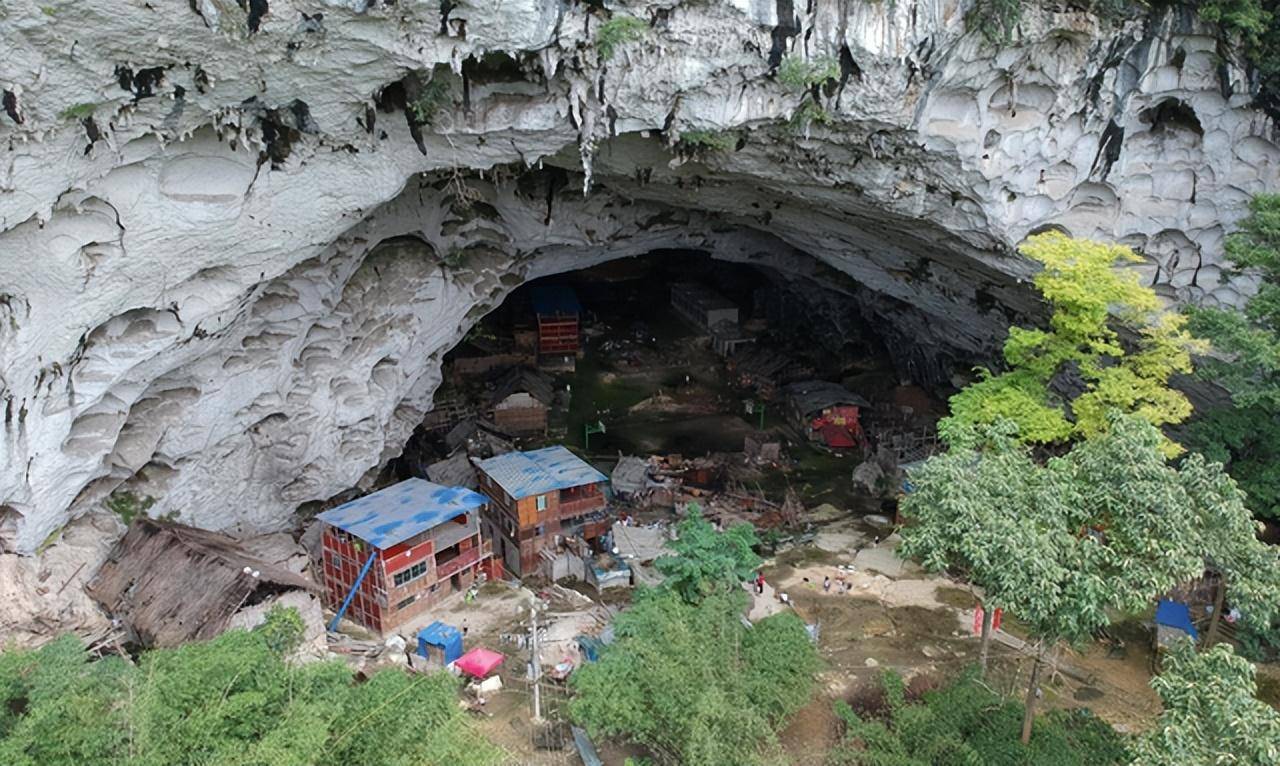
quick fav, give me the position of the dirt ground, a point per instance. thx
(918, 623)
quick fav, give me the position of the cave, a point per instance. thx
(659, 378)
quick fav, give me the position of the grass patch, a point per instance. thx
(956, 597)
(78, 112)
(128, 505)
(700, 142)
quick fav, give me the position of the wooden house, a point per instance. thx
(401, 549)
(521, 402)
(536, 496)
(827, 413)
(557, 310)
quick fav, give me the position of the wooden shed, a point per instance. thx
(521, 401)
(169, 583)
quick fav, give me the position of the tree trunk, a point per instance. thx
(988, 616)
(1211, 637)
(1032, 692)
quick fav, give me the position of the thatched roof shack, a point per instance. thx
(170, 583)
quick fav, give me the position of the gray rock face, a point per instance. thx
(236, 243)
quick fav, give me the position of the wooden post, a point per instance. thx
(537, 662)
(1033, 691)
(1211, 637)
(988, 616)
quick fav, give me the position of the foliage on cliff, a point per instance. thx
(692, 683)
(965, 722)
(232, 701)
(1080, 351)
(1246, 436)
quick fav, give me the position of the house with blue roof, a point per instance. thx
(536, 496)
(390, 555)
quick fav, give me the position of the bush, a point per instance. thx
(617, 32)
(800, 73)
(966, 724)
(694, 685)
(229, 701)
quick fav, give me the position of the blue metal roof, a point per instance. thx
(524, 474)
(554, 299)
(1176, 614)
(447, 637)
(395, 514)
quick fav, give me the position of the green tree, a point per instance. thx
(1211, 713)
(1085, 293)
(706, 561)
(1106, 528)
(692, 683)
(232, 701)
(1246, 435)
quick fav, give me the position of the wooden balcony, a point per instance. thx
(462, 561)
(571, 508)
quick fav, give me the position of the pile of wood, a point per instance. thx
(169, 583)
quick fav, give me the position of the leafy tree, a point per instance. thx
(953, 497)
(966, 723)
(692, 683)
(707, 561)
(1106, 528)
(1211, 713)
(1246, 436)
(1085, 291)
(232, 701)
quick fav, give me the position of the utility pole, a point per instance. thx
(536, 661)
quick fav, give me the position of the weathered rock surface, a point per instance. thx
(236, 244)
(41, 596)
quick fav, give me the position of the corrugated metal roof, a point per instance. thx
(395, 514)
(550, 300)
(524, 474)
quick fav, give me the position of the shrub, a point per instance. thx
(232, 700)
(965, 723)
(616, 32)
(799, 73)
(694, 685)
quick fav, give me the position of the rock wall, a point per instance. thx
(237, 241)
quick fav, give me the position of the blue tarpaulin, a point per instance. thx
(395, 514)
(1175, 614)
(525, 474)
(554, 300)
(446, 637)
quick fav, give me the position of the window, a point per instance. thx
(406, 576)
(407, 602)
(540, 530)
(542, 502)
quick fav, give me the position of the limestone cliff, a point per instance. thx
(238, 237)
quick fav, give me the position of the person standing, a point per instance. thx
(759, 583)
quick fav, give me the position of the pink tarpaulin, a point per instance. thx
(479, 662)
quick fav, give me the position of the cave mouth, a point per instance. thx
(673, 353)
